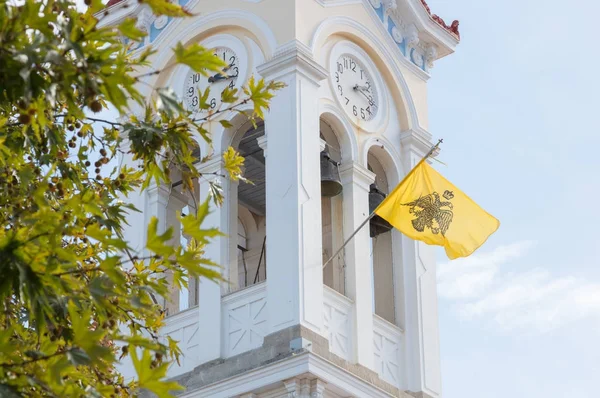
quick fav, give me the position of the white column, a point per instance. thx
(209, 292)
(356, 180)
(293, 191)
(160, 204)
(420, 294)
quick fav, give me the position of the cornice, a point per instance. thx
(211, 166)
(159, 193)
(417, 140)
(413, 30)
(356, 173)
(293, 56)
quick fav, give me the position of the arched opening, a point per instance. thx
(250, 225)
(381, 249)
(332, 216)
(181, 201)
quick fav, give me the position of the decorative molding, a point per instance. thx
(387, 351)
(262, 143)
(149, 23)
(416, 140)
(245, 319)
(355, 173)
(211, 166)
(158, 193)
(431, 54)
(290, 368)
(406, 36)
(322, 144)
(317, 388)
(183, 327)
(293, 56)
(337, 322)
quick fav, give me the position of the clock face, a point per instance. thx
(355, 88)
(195, 83)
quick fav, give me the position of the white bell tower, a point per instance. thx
(356, 75)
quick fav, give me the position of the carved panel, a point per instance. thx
(183, 327)
(337, 321)
(245, 320)
(387, 349)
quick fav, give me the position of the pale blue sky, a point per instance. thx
(518, 106)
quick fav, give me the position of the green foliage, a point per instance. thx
(76, 298)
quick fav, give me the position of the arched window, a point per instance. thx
(332, 217)
(381, 255)
(250, 228)
(182, 201)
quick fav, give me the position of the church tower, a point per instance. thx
(354, 109)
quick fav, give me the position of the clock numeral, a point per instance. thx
(195, 101)
(340, 68)
(231, 85)
(362, 113)
(237, 71)
(353, 66)
(346, 63)
(368, 85)
(347, 100)
(369, 110)
(337, 77)
(361, 74)
(354, 110)
(213, 103)
(232, 60)
(190, 91)
(341, 91)
(196, 78)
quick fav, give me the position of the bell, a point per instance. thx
(377, 224)
(331, 184)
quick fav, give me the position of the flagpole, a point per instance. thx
(433, 148)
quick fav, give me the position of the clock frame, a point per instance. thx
(362, 96)
(184, 79)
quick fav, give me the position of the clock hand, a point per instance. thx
(219, 77)
(361, 89)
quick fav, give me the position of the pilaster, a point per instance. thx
(293, 191)
(420, 293)
(356, 180)
(209, 292)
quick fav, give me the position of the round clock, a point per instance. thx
(355, 88)
(195, 83)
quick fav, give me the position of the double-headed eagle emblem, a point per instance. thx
(432, 213)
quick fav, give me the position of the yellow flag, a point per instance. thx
(427, 207)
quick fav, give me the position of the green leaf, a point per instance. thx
(233, 164)
(153, 379)
(165, 7)
(158, 243)
(7, 391)
(78, 357)
(128, 29)
(198, 58)
(168, 101)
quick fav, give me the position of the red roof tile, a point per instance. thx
(452, 28)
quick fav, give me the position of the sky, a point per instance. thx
(517, 105)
